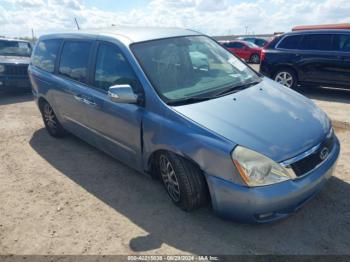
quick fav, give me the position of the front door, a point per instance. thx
(116, 126)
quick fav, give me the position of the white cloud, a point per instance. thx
(213, 17)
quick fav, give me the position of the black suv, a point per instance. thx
(319, 57)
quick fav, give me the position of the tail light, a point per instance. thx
(262, 55)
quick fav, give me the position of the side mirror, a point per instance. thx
(122, 94)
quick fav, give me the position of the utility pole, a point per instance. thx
(246, 30)
(76, 22)
(33, 35)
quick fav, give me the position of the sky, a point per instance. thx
(213, 17)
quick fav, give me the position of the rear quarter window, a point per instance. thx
(45, 53)
(317, 42)
(290, 42)
(341, 43)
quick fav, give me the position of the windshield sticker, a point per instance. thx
(237, 64)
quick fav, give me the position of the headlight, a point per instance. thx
(2, 68)
(257, 169)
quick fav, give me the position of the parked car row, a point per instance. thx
(175, 104)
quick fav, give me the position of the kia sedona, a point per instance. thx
(309, 58)
(246, 50)
(14, 61)
(175, 104)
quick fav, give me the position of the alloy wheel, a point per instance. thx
(285, 78)
(49, 117)
(169, 178)
(255, 59)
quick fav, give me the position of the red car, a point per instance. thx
(246, 50)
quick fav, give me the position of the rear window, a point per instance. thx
(290, 42)
(45, 53)
(74, 60)
(342, 43)
(319, 42)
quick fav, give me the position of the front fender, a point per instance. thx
(174, 133)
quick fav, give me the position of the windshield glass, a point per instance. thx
(15, 48)
(192, 66)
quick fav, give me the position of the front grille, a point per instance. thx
(308, 163)
(18, 70)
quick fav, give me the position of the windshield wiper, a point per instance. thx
(236, 88)
(189, 100)
(196, 99)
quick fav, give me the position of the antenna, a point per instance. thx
(76, 22)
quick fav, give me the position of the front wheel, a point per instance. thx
(286, 77)
(255, 59)
(183, 181)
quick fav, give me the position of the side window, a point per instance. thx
(342, 43)
(74, 60)
(113, 69)
(239, 45)
(290, 42)
(316, 42)
(45, 54)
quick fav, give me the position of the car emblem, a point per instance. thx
(324, 153)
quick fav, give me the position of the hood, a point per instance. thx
(268, 118)
(14, 60)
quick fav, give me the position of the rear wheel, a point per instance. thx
(286, 77)
(183, 181)
(53, 126)
(255, 59)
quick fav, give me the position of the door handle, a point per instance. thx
(79, 98)
(85, 100)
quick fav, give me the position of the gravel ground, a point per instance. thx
(65, 197)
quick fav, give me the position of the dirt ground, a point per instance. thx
(62, 196)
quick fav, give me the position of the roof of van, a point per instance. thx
(133, 34)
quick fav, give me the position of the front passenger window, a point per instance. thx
(113, 69)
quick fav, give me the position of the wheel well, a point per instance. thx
(286, 68)
(154, 155)
(152, 167)
(41, 102)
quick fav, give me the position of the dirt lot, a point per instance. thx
(65, 197)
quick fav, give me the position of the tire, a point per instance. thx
(189, 189)
(286, 77)
(254, 59)
(53, 126)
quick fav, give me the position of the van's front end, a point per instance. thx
(273, 190)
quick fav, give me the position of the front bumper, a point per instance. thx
(269, 203)
(14, 83)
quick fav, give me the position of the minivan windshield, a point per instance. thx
(192, 67)
(15, 48)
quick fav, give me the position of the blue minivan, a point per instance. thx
(175, 104)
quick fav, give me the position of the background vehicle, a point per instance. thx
(245, 50)
(14, 61)
(255, 40)
(174, 103)
(319, 57)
